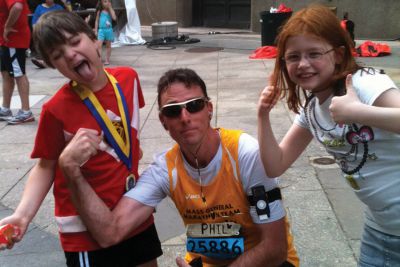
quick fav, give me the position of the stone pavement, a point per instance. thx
(326, 217)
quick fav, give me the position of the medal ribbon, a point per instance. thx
(123, 149)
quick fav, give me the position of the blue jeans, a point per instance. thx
(379, 249)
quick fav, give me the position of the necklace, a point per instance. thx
(203, 197)
(354, 137)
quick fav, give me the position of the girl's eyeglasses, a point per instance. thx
(192, 106)
(295, 58)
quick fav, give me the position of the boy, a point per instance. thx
(106, 101)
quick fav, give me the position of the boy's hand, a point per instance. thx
(268, 98)
(12, 229)
(342, 108)
(80, 149)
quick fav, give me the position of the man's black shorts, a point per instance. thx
(13, 61)
(136, 250)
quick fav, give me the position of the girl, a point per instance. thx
(354, 112)
(105, 15)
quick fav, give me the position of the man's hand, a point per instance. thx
(80, 149)
(343, 108)
(181, 262)
(6, 32)
(268, 98)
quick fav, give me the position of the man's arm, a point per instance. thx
(13, 16)
(271, 251)
(107, 226)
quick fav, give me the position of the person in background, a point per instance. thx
(352, 111)
(15, 37)
(105, 16)
(45, 7)
(348, 25)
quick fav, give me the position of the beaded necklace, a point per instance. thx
(354, 136)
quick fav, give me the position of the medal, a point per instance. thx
(130, 182)
(120, 141)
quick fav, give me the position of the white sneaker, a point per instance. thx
(21, 117)
(5, 114)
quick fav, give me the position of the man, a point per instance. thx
(14, 40)
(211, 175)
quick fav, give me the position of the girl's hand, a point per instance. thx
(20, 225)
(268, 98)
(343, 108)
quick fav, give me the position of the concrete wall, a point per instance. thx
(373, 19)
(151, 11)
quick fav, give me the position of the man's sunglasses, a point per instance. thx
(174, 110)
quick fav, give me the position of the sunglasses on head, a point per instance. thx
(174, 110)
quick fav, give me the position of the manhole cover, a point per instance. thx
(323, 161)
(203, 49)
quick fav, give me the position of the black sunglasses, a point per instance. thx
(174, 110)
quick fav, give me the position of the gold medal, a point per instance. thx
(352, 182)
(130, 182)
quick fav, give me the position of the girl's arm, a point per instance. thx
(37, 186)
(112, 12)
(277, 158)
(96, 24)
(384, 114)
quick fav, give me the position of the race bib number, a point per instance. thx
(217, 248)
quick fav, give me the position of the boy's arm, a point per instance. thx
(107, 227)
(37, 186)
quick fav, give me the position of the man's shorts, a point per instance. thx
(105, 35)
(134, 251)
(13, 61)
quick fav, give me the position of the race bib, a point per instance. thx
(220, 241)
(224, 229)
(224, 248)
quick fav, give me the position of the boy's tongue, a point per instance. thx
(85, 71)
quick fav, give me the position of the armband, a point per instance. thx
(260, 199)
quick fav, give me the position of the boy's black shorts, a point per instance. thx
(136, 250)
